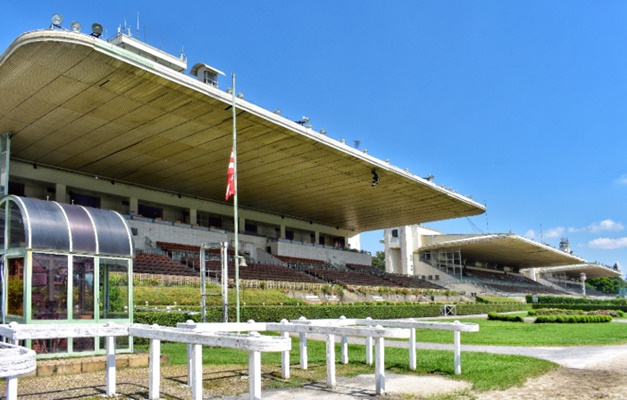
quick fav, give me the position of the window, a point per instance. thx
(289, 235)
(250, 227)
(114, 296)
(85, 200)
(16, 286)
(49, 286)
(149, 212)
(83, 281)
(394, 233)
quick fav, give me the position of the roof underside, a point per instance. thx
(591, 271)
(507, 250)
(78, 103)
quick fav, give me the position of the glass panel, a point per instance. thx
(49, 286)
(83, 296)
(48, 226)
(113, 237)
(16, 286)
(18, 237)
(114, 288)
(83, 344)
(121, 343)
(47, 346)
(81, 228)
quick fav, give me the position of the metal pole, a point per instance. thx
(235, 216)
(203, 284)
(224, 257)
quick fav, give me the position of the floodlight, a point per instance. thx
(57, 20)
(240, 95)
(96, 29)
(277, 111)
(323, 131)
(229, 90)
(75, 26)
(308, 126)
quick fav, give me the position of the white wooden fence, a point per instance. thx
(222, 335)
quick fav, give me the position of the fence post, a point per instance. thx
(330, 360)
(155, 368)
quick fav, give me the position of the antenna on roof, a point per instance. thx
(137, 27)
(357, 143)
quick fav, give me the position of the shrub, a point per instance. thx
(573, 319)
(505, 317)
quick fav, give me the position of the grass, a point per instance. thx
(529, 334)
(484, 371)
(190, 296)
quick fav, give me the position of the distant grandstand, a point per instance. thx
(499, 264)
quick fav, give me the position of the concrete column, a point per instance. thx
(133, 205)
(282, 231)
(316, 237)
(60, 195)
(193, 216)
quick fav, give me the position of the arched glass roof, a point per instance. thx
(48, 225)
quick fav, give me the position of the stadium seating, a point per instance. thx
(160, 264)
(507, 283)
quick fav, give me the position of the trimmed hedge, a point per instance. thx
(277, 313)
(559, 311)
(505, 317)
(562, 300)
(573, 319)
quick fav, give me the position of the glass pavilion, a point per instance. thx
(65, 264)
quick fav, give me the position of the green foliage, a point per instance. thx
(559, 311)
(190, 296)
(505, 317)
(573, 319)
(274, 313)
(609, 285)
(495, 299)
(563, 300)
(378, 260)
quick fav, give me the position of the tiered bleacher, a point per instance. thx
(508, 283)
(185, 259)
(160, 264)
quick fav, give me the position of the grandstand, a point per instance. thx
(500, 264)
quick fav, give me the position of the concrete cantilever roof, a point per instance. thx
(505, 249)
(591, 270)
(80, 104)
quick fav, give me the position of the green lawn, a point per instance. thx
(530, 334)
(485, 371)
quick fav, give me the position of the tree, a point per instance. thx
(379, 260)
(609, 285)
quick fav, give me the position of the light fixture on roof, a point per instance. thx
(365, 151)
(323, 131)
(303, 121)
(96, 29)
(75, 26)
(277, 111)
(308, 126)
(57, 20)
(240, 95)
(229, 90)
(429, 178)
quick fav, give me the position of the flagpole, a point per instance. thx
(235, 216)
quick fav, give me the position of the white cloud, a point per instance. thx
(607, 225)
(553, 232)
(608, 244)
(530, 234)
(622, 180)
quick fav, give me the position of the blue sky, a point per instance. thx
(520, 104)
